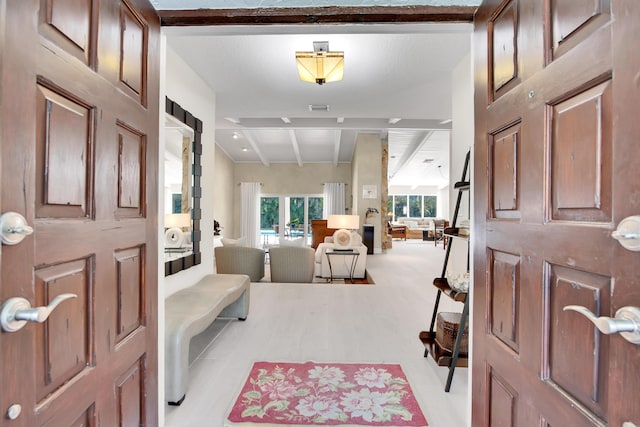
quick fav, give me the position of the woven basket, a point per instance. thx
(447, 325)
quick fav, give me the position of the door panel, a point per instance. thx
(580, 149)
(572, 21)
(62, 346)
(504, 281)
(71, 25)
(504, 172)
(64, 154)
(83, 114)
(504, 49)
(554, 174)
(569, 336)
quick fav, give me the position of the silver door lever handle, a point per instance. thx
(618, 235)
(16, 312)
(626, 321)
(13, 228)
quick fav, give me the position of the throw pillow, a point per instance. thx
(299, 242)
(242, 241)
(356, 239)
(411, 224)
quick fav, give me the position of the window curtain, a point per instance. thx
(250, 212)
(333, 199)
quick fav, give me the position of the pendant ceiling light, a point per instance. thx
(320, 66)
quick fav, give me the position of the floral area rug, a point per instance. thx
(337, 394)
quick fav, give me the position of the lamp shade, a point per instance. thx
(348, 222)
(320, 67)
(182, 220)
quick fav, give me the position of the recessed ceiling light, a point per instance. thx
(245, 149)
(233, 120)
(340, 119)
(286, 119)
(235, 135)
(444, 122)
(394, 120)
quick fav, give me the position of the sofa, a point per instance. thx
(416, 226)
(340, 265)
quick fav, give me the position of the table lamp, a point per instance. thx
(174, 223)
(346, 225)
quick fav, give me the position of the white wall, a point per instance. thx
(182, 85)
(223, 192)
(185, 87)
(443, 203)
(367, 170)
(462, 140)
(462, 134)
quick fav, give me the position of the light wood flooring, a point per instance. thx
(331, 323)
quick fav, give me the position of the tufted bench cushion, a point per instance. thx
(189, 312)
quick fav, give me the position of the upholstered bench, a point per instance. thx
(189, 312)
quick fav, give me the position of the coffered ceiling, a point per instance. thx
(397, 83)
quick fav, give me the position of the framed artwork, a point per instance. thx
(176, 203)
(369, 191)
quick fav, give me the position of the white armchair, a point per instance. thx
(340, 265)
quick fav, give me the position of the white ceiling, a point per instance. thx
(400, 71)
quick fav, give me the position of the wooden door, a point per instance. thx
(556, 169)
(79, 129)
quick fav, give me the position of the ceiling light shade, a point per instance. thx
(320, 66)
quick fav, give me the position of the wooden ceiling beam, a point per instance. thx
(317, 15)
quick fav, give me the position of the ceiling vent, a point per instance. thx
(318, 107)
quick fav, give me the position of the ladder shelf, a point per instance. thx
(444, 357)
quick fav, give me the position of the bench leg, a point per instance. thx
(179, 402)
(239, 308)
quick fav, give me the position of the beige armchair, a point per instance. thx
(291, 264)
(240, 260)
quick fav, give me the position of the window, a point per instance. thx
(269, 212)
(316, 204)
(288, 216)
(415, 206)
(412, 205)
(400, 206)
(430, 203)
